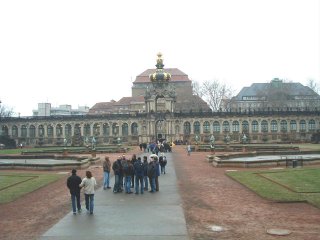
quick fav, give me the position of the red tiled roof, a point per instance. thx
(128, 100)
(176, 75)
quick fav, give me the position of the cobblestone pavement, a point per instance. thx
(212, 200)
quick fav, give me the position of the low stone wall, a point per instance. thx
(225, 160)
(82, 163)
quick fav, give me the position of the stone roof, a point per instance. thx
(176, 75)
(105, 106)
(262, 89)
(130, 100)
(185, 103)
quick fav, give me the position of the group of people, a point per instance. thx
(156, 147)
(88, 183)
(129, 173)
(138, 173)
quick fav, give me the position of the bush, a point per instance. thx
(8, 142)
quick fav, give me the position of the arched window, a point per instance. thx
(87, 130)
(274, 126)
(283, 125)
(125, 129)
(5, 131)
(32, 131)
(50, 131)
(23, 131)
(134, 128)
(216, 126)
(302, 125)
(255, 126)
(293, 125)
(14, 131)
(226, 126)
(264, 126)
(196, 127)
(186, 128)
(67, 130)
(206, 127)
(245, 126)
(106, 129)
(311, 125)
(235, 126)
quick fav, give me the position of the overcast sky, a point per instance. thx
(84, 52)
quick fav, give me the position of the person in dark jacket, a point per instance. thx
(139, 173)
(145, 172)
(128, 171)
(133, 161)
(152, 175)
(117, 169)
(73, 184)
(157, 166)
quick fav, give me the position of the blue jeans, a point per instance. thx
(75, 201)
(89, 199)
(116, 187)
(139, 179)
(153, 184)
(145, 178)
(128, 184)
(106, 179)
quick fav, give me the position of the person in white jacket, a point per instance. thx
(89, 183)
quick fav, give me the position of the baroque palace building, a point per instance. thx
(162, 106)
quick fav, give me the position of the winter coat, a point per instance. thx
(73, 184)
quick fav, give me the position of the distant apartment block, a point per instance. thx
(46, 110)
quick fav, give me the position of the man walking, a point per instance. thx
(73, 184)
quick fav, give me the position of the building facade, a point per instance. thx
(46, 110)
(161, 112)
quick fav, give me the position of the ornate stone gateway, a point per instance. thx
(160, 99)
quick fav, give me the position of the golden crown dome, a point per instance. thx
(160, 75)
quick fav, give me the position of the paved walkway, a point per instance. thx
(129, 216)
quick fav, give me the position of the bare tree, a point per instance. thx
(197, 89)
(313, 85)
(5, 111)
(214, 92)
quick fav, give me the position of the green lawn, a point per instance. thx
(15, 185)
(287, 185)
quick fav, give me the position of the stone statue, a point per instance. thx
(65, 142)
(212, 139)
(244, 138)
(93, 141)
